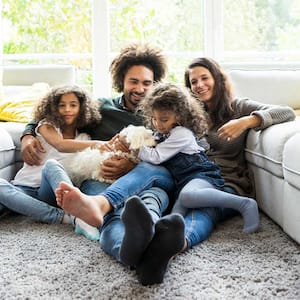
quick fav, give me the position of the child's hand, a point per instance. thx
(118, 143)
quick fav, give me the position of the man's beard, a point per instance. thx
(130, 101)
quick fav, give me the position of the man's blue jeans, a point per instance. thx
(199, 223)
(151, 183)
(142, 177)
(112, 231)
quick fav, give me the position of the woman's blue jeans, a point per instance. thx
(38, 203)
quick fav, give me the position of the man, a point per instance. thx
(133, 71)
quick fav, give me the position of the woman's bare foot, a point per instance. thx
(90, 209)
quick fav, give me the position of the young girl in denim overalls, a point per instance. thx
(180, 124)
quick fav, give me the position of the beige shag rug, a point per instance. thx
(39, 261)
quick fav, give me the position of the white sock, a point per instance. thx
(68, 219)
(90, 232)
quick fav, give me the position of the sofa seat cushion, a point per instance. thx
(7, 149)
(265, 148)
(291, 162)
(15, 131)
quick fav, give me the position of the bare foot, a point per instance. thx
(90, 209)
(59, 193)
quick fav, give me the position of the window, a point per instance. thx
(89, 33)
(46, 31)
(261, 30)
(175, 26)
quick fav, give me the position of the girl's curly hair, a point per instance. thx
(166, 96)
(137, 55)
(221, 110)
(47, 107)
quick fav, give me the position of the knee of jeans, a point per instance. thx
(93, 187)
(158, 194)
(49, 166)
(154, 192)
(50, 162)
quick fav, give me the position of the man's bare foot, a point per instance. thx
(90, 209)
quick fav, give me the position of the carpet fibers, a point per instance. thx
(40, 261)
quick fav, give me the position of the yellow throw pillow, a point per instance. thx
(19, 108)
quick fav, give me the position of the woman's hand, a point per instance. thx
(234, 128)
(115, 167)
(31, 150)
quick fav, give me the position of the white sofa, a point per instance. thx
(17, 79)
(272, 154)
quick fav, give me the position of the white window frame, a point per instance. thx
(101, 48)
(213, 29)
(1, 34)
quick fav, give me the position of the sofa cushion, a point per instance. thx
(283, 86)
(14, 130)
(29, 74)
(7, 149)
(265, 148)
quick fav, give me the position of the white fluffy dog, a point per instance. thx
(86, 164)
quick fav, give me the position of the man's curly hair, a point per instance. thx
(170, 97)
(47, 107)
(137, 55)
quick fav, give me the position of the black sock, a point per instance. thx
(138, 231)
(168, 240)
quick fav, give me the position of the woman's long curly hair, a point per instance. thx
(170, 97)
(137, 55)
(47, 107)
(221, 110)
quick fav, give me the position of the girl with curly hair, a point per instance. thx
(180, 122)
(63, 115)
